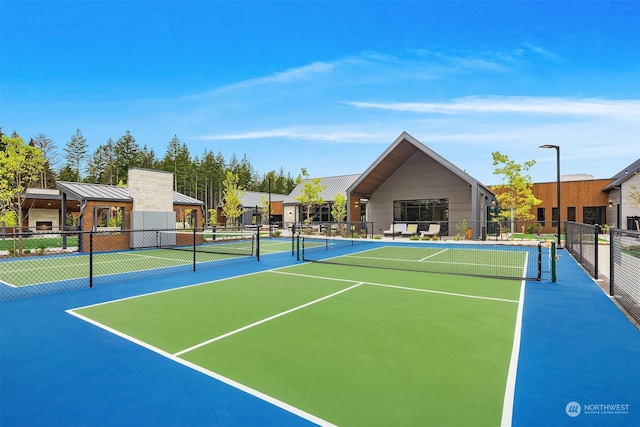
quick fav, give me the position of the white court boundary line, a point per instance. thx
(509, 392)
(510, 386)
(269, 399)
(429, 291)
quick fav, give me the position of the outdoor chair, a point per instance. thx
(411, 230)
(395, 230)
(433, 231)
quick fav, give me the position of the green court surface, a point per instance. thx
(341, 345)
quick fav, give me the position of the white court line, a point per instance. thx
(432, 255)
(275, 316)
(431, 262)
(269, 399)
(510, 387)
(430, 291)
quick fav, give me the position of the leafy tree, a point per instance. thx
(515, 194)
(310, 193)
(76, 153)
(634, 195)
(233, 194)
(339, 207)
(264, 209)
(20, 167)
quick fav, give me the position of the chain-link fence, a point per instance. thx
(37, 264)
(581, 240)
(625, 270)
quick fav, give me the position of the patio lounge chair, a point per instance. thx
(433, 231)
(395, 230)
(411, 230)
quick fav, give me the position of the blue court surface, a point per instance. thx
(579, 363)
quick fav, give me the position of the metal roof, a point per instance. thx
(334, 185)
(624, 175)
(254, 198)
(83, 191)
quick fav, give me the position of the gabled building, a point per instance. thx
(623, 211)
(410, 183)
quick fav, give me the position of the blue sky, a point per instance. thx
(329, 85)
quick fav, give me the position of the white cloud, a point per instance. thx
(514, 104)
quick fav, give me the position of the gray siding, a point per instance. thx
(421, 177)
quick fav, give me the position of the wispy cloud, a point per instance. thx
(331, 134)
(517, 104)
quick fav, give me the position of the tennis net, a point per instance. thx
(226, 243)
(522, 261)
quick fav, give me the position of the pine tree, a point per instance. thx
(126, 155)
(47, 147)
(76, 153)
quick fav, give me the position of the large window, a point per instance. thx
(571, 214)
(594, 215)
(108, 217)
(541, 216)
(421, 210)
(318, 213)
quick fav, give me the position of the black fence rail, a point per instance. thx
(625, 270)
(106, 257)
(581, 240)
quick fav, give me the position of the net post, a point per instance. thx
(91, 259)
(553, 262)
(539, 261)
(194, 248)
(258, 245)
(298, 249)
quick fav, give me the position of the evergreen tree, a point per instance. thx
(126, 155)
(101, 166)
(47, 147)
(76, 153)
(148, 158)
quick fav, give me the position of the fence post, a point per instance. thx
(595, 256)
(91, 259)
(612, 269)
(553, 262)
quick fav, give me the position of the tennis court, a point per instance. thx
(328, 342)
(47, 270)
(401, 349)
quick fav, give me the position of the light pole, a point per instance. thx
(557, 148)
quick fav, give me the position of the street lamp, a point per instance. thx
(557, 148)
